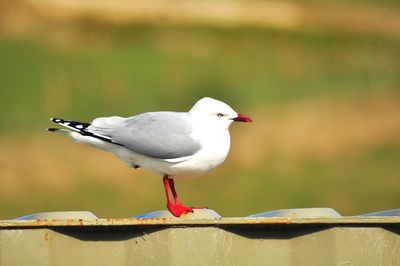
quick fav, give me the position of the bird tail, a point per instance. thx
(76, 130)
(69, 124)
(71, 128)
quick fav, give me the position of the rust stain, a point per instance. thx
(46, 236)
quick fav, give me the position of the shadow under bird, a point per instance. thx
(172, 144)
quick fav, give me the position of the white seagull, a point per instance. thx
(172, 144)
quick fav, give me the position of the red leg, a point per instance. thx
(174, 194)
(167, 189)
(176, 208)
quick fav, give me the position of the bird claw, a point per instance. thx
(178, 210)
(199, 208)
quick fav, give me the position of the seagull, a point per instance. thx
(171, 144)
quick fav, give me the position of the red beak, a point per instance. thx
(242, 118)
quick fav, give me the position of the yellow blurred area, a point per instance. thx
(324, 129)
(376, 17)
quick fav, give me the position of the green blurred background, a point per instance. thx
(321, 79)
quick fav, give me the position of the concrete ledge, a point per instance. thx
(277, 241)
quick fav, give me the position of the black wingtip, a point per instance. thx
(57, 120)
(52, 129)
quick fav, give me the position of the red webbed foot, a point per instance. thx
(178, 210)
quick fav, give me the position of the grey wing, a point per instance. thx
(161, 135)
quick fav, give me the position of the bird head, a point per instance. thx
(217, 112)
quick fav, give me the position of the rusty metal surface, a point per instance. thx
(357, 220)
(278, 241)
(226, 241)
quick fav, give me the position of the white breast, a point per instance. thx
(215, 148)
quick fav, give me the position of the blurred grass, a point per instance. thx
(246, 67)
(105, 70)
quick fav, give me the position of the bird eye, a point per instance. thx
(220, 115)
